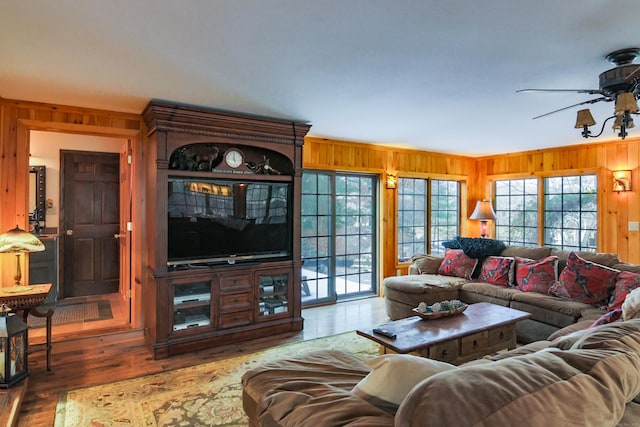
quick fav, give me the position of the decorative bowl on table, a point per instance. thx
(440, 309)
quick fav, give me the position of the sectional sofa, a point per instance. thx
(580, 364)
(558, 288)
(589, 378)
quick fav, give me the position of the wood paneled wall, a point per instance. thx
(325, 154)
(615, 209)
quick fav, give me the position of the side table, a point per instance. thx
(25, 300)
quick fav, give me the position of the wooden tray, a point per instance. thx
(439, 314)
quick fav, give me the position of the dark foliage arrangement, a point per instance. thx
(476, 247)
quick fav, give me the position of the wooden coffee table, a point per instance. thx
(482, 329)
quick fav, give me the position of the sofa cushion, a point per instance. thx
(580, 325)
(560, 388)
(457, 263)
(536, 275)
(625, 335)
(490, 290)
(526, 252)
(584, 281)
(602, 258)
(497, 270)
(329, 366)
(567, 341)
(623, 266)
(548, 309)
(426, 264)
(402, 293)
(310, 390)
(520, 350)
(592, 313)
(550, 302)
(393, 376)
(625, 282)
(422, 283)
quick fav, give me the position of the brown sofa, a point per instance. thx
(549, 313)
(588, 378)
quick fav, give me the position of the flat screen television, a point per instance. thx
(227, 220)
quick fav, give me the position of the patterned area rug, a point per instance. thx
(75, 313)
(204, 395)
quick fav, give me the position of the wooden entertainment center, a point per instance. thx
(191, 305)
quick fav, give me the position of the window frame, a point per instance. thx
(512, 212)
(564, 211)
(601, 176)
(370, 265)
(462, 195)
(399, 213)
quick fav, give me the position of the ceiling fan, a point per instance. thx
(620, 84)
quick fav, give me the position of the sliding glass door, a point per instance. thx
(338, 236)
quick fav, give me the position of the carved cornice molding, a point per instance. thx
(168, 117)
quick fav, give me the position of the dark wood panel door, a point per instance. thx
(90, 217)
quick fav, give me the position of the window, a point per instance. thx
(317, 235)
(445, 213)
(443, 221)
(516, 206)
(412, 217)
(355, 243)
(571, 212)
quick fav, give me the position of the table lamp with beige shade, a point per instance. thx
(17, 241)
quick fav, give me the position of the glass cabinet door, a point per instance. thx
(273, 298)
(191, 305)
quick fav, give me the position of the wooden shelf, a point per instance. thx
(230, 175)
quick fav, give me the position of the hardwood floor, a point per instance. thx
(119, 322)
(112, 356)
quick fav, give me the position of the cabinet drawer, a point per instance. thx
(237, 301)
(235, 282)
(445, 351)
(503, 335)
(474, 343)
(236, 318)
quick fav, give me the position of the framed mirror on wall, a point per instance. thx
(37, 197)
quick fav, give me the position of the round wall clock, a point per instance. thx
(233, 158)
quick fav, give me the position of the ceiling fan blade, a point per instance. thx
(587, 91)
(591, 101)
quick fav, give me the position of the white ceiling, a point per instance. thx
(430, 74)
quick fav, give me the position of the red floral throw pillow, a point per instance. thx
(625, 283)
(584, 281)
(497, 270)
(608, 317)
(536, 275)
(456, 263)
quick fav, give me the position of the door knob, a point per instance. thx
(117, 236)
(69, 232)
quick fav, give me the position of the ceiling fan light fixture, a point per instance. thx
(620, 84)
(617, 124)
(626, 103)
(584, 119)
